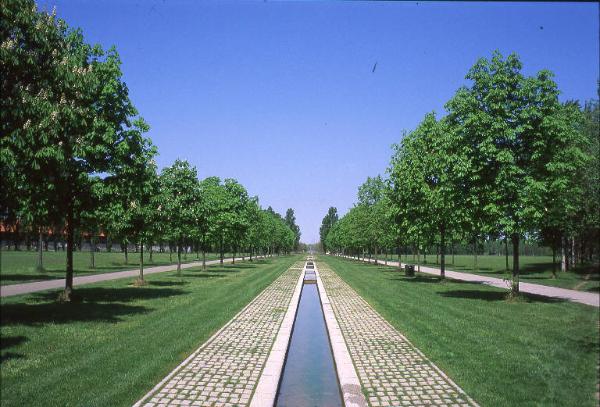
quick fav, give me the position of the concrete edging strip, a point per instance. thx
(268, 383)
(348, 378)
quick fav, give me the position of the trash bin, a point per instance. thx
(409, 270)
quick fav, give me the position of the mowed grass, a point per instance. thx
(122, 340)
(20, 266)
(528, 352)
(533, 269)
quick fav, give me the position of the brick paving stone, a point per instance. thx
(225, 371)
(392, 371)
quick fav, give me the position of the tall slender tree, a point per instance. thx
(328, 221)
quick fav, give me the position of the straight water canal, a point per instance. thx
(309, 377)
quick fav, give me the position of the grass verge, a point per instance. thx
(534, 269)
(122, 340)
(532, 351)
(21, 266)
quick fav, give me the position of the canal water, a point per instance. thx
(309, 378)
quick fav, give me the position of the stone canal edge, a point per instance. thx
(225, 370)
(242, 363)
(391, 370)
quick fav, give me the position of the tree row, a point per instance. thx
(507, 161)
(75, 158)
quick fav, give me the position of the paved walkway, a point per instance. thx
(26, 288)
(391, 370)
(582, 297)
(225, 370)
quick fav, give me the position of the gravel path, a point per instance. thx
(391, 370)
(582, 297)
(26, 288)
(225, 370)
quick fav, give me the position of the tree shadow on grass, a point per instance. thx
(99, 304)
(202, 275)
(56, 313)
(594, 290)
(241, 266)
(114, 294)
(426, 279)
(168, 283)
(221, 269)
(496, 296)
(417, 279)
(8, 342)
(259, 261)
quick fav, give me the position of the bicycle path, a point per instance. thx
(26, 288)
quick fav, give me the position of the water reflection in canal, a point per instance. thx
(309, 378)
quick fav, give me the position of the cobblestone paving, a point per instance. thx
(391, 370)
(225, 371)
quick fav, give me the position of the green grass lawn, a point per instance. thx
(122, 340)
(529, 352)
(534, 269)
(20, 266)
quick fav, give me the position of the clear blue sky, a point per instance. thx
(282, 97)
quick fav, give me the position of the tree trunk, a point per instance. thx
(16, 239)
(92, 252)
(506, 251)
(553, 261)
(151, 251)
(221, 252)
(443, 252)
(375, 255)
(233, 258)
(70, 240)
(515, 271)
(203, 259)
(40, 265)
(573, 253)
(179, 259)
(418, 258)
(141, 262)
(452, 252)
(126, 255)
(475, 254)
(563, 256)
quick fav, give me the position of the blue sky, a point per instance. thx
(282, 95)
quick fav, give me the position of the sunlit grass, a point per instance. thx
(122, 340)
(20, 266)
(532, 351)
